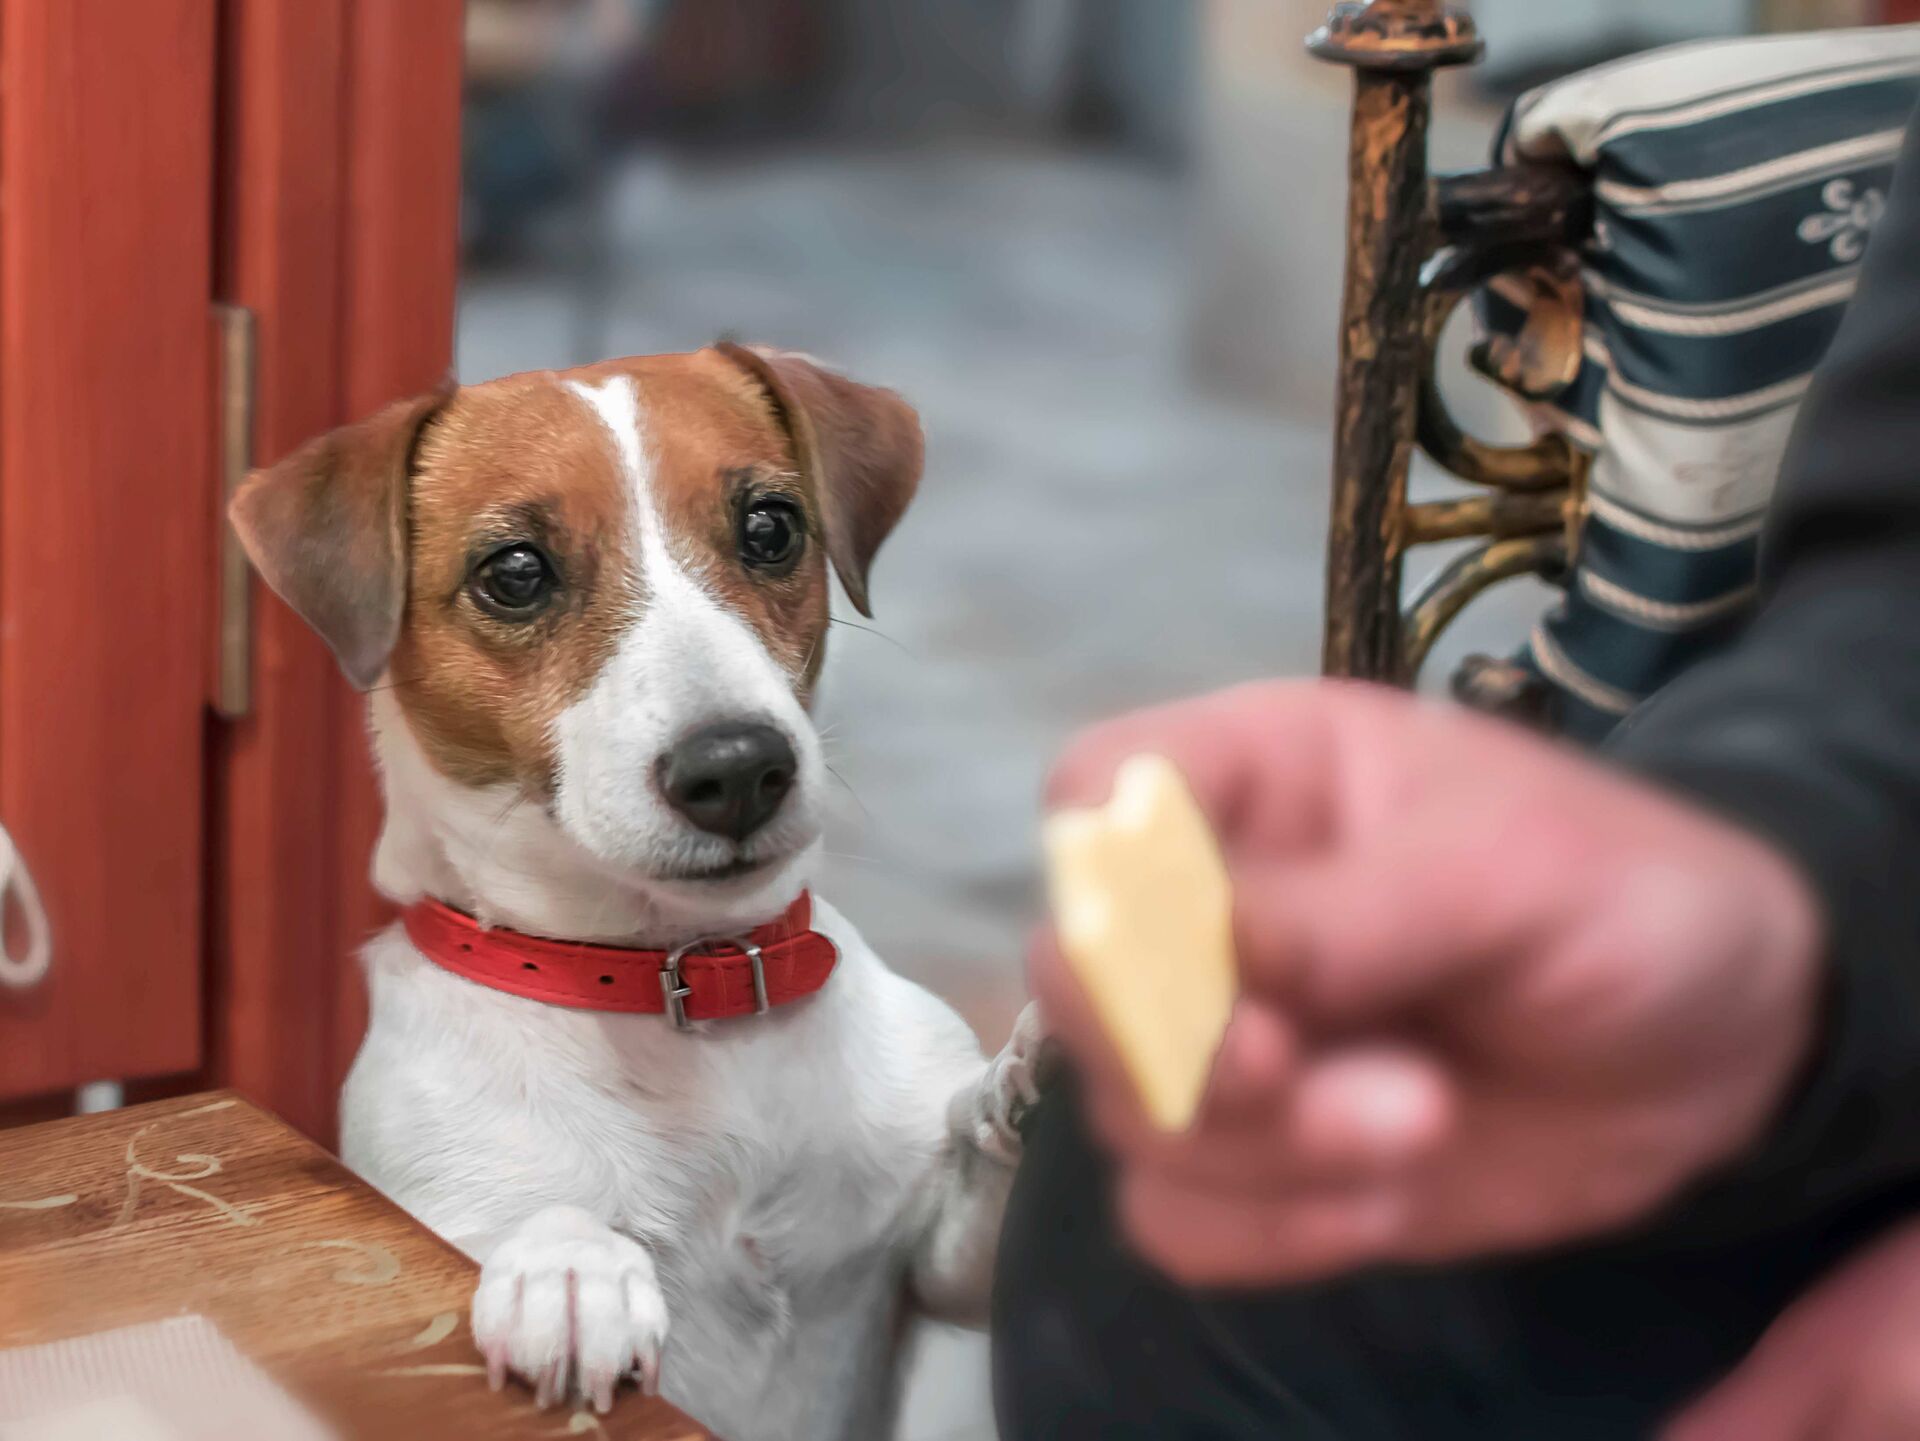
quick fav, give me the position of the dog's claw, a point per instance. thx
(992, 1116)
(599, 1388)
(553, 1384)
(565, 1303)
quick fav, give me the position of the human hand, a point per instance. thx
(1842, 1364)
(1494, 996)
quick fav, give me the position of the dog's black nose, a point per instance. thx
(728, 778)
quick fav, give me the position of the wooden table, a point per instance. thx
(205, 1204)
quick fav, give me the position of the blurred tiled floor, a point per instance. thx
(1092, 533)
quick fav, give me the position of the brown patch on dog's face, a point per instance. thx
(519, 493)
(509, 466)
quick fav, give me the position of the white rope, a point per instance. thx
(16, 885)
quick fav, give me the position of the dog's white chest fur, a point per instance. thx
(776, 1168)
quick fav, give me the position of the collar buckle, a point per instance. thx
(674, 989)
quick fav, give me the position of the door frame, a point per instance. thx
(340, 234)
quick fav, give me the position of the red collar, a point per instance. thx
(707, 980)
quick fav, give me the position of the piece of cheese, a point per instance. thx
(1143, 911)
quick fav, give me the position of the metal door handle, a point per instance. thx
(21, 972)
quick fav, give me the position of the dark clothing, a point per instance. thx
(1808, 733)
(1589, 1345)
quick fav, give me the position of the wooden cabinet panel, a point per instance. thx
(106, 476)
(299, 158)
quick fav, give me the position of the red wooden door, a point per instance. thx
(106, 523)
(205, 877)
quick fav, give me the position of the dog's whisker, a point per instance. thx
(869, 630)
(855, 795)
(393, 685)
(881, 861)
(813, 651)
(514, 802)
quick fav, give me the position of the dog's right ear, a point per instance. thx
(327, 529)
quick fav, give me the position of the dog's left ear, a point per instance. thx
(860, 445)
(327, 529)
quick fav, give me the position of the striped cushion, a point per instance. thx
(1735, 183)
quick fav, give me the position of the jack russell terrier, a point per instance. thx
(618, 1053)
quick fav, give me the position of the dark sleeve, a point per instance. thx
(1808, 733)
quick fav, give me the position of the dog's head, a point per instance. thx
(604, 589)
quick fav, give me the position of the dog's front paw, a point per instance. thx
(990, 1115)
(570, 1306)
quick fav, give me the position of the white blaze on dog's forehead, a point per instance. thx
(688, 660)
(618, 407)
(617, 404)
(673, 594)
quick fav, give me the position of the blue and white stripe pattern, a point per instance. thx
(1735, 184)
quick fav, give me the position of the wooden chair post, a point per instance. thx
(1393, 46)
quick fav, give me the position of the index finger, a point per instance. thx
(1259, 759)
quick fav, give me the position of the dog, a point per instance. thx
(691, 1127)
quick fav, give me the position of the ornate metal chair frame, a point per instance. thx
(1416, 246)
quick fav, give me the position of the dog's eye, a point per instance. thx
(514, 583)
(770, 532)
